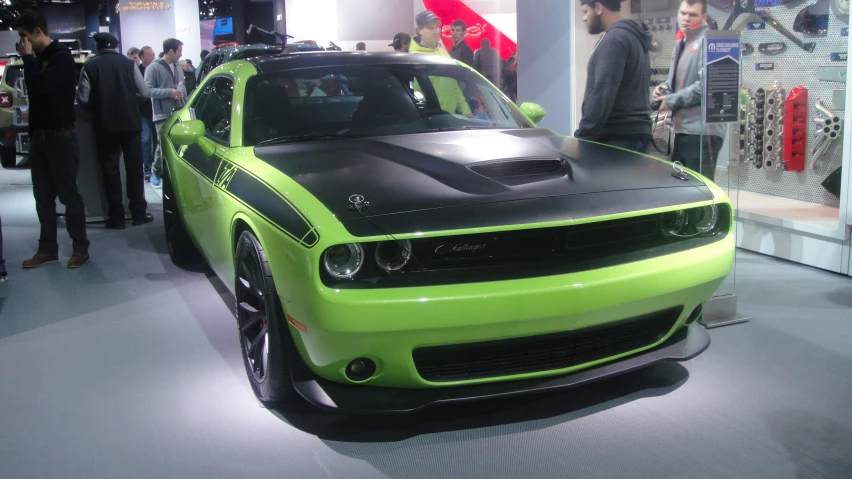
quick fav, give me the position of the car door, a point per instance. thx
(202, 208)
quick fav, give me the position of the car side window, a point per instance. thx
(213, 108)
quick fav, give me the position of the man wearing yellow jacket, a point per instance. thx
(428, 42)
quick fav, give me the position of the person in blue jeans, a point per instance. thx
(149, 132)
(3, 275)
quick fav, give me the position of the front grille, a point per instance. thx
(542, 353)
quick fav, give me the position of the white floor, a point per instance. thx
(130, 367)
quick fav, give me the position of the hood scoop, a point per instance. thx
(522, 171)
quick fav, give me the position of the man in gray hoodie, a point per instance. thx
(617, 103)
(166, 86)
(696, 145)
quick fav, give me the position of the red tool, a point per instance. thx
(796, 129)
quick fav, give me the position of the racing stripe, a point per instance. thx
(254, 193)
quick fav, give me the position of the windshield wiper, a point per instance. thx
(306, 137)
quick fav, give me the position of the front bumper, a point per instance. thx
(683, 345)
(388, 326)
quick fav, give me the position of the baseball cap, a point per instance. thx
(425, 18)
(400, 39)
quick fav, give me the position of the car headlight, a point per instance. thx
(691, 222)
(344, 261)
(704, 219)
(392, 256)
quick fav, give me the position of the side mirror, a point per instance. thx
(533, 111)
(186, 133)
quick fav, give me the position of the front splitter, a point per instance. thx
(683, 345)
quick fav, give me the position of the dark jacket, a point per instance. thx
(113, 89)
(147, 108)
(463, 53)
(617, 102)
(487, 61)
(51, 79)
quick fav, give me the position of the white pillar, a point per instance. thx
(545, 63)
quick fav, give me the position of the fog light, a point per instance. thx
(696, 313)
(361, 369)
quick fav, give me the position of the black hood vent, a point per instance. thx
(514, 172)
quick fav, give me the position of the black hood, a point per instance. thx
(444, 181)
(638, 30)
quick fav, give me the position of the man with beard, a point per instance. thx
(616, 104)
(693, 139)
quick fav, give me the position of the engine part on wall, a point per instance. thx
(838, 99)
(794, 67)
(745, 117)
(796, 129)
(775, 48)
(746, 49)
(813, 19)
(832, 73)
(808, 47)
(769, 127)
(831, 183)
(827, 133)
(743, 6)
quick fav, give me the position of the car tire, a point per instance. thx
(8, 157)
(182, 251)
(261, 324)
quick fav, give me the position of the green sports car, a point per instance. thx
(398, 234)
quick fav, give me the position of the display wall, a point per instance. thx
(345, 22)
(149, 23)
(788, 186)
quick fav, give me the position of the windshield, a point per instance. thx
(372, 100)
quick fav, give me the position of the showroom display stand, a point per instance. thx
(722, 311)
(89, 178)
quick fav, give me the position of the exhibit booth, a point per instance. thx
(785, 162)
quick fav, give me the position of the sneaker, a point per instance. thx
(4, 276)
(40, 259)
(77, 260)
(155, 181)
(147, 177)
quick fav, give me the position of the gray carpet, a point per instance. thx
(130, 367)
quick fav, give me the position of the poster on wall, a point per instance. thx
(721, 77)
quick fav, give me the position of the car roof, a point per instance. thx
(290, 61)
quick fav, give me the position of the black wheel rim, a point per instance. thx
(252, 314)
(168, 220)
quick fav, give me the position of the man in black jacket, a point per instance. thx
(617, 102)
(113, 89)
(54, 151)
(461, 50)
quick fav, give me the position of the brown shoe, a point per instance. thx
(77, 260)
(40, 259)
